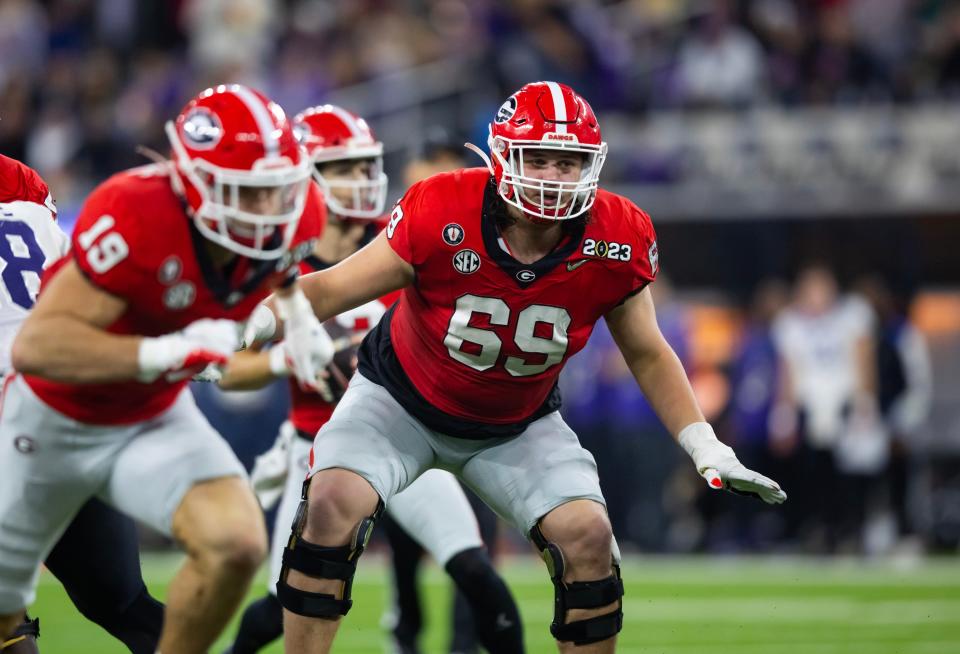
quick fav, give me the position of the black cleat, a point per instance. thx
(399, 647)
(24, 639)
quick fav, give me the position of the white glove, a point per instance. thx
(270, 469)
(280, 366)
(260, 327)
(718, 464)
(307, 346)
(185, 353)
(212, 374)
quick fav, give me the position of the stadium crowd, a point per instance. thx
(84, 82)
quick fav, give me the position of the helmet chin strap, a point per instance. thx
(482, 154)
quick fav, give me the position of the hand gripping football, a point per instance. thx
(341, 369)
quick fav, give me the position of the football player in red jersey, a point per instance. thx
(164, 260)
(348, 162)
(97, 558)
(504, 271)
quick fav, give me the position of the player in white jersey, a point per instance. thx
(29, 241)
(96, 559)
(826, 402)
(434, 510)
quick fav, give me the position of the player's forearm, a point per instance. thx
(247, 371)
(664, 383)
(64, 349)
(321, 301)
(329, 297)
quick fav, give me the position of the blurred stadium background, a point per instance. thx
(765, 137)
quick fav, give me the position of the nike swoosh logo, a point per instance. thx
(573, 265)
(503, 622)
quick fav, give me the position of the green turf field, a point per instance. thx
(673, 606)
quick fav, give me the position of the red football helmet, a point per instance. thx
(546, 116)
(240, 169)
(19, 181)
(329, 134)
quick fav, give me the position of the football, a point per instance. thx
(344, 361)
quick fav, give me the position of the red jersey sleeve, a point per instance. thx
(107, 238)
(314, 217)
(645, 262)
(407, 228)
(309, 229)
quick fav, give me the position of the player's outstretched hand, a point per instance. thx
(307, 347)
(281, 365)
(718, 464)
(212, 374)
(186, 353)
(259, 328)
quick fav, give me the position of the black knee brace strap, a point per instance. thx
(580, 595)
(322, 563)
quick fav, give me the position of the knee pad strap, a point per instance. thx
(589, 630)
(580, 595)
(311, 605)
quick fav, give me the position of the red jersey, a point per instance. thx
(308, 410)
(134, 240)
(475, 346)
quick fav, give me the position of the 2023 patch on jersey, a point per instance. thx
(483, 337)
(134, 240)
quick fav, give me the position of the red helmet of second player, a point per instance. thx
(241, 170)
(330, 133)
(546, 116)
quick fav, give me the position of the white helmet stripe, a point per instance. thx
(347, 120)
(268, 131)
(559, 107)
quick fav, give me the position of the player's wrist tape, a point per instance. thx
(153, 357)
(277, 357)
(293, 305)
(261, 326)
(698, 439)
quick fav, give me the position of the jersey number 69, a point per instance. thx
(459, 331)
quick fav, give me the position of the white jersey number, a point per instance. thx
(109, 251)
(459, 332)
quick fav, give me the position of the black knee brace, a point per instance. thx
(322, 563)
(580, 595)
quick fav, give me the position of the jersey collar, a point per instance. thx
(523, 274)
(218, 280)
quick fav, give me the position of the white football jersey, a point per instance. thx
(30, 240)
(821, 353)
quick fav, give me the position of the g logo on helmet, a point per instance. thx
(506, 110)
(201, 129)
